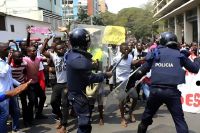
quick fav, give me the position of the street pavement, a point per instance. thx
(163, 122)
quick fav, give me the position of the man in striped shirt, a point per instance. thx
(18, 67)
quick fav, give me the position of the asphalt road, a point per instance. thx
(163, 122)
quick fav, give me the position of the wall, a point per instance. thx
(90, 8)
(13, 6)
(20, 28)
(51, 6)
(75, 8)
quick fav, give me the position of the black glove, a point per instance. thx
(185, 52)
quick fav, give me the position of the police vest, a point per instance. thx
(167, 69)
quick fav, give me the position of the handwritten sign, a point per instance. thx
(41, 30)
(190, 92)
(114, 35)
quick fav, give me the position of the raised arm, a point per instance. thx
(44, 45)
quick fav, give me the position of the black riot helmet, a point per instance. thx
(168, 39)
(80, 39)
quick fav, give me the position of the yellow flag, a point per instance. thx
(114, 35)
(98, 53)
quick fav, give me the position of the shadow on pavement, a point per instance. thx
(37, 129)
(164, 129)
(129, 131)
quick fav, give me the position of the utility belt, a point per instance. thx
(82, 100)
(164, 86)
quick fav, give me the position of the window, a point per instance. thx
(12, 28)
(55, 2)
(70, 2)
(2, 23)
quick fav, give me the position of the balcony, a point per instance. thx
(164, 6)
(186, 6)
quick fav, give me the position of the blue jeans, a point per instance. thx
(146, 89)
(4, 113)
(14, 112)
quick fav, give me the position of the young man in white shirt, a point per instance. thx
(59, 94)
(113, 51)
(123, 71)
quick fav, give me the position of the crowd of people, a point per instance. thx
(67, 67)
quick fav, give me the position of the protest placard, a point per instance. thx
(114, 35)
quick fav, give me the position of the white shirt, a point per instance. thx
(39, 54)
(60, 68)
(112, 53)
(6, 80)
(124, 68)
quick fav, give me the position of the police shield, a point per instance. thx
(120, 93)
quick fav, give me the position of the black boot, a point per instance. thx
(142, 128)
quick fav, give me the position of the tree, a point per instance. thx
(83, 17)
(97, 20)
(108, 18)
(139, 21)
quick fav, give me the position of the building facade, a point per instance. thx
(70, 8)
(102, 6)
(181, 17)
(93, 7)
(14, 28)
(49, 11)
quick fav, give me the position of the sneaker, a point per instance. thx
(45, 105)
(41, 116)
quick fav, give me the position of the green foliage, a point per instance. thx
(97, 20)
(108, 18)
(139, 21)
(83, 17)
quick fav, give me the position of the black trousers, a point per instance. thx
(35, 91)
(171, 97)
(83, 110)
(59, 99)
(23, 99)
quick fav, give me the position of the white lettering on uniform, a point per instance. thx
(164, 65)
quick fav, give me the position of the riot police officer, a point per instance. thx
(79, 75)
(166, 62)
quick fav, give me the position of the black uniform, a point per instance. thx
(79, 75)
(166, 73)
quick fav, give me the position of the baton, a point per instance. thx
(113, 69)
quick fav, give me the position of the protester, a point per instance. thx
(113, 51)
(59, 90)
(139, 55)
(35, 90)
(6, 84)
(123, 71)
(18, 67)
(14, 92)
